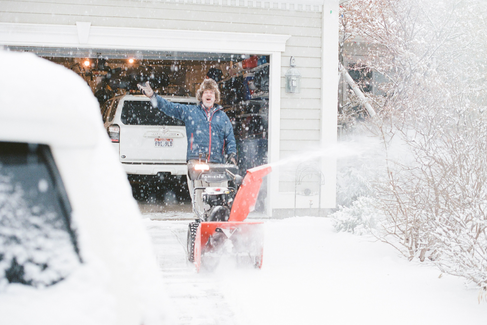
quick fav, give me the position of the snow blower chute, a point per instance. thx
(221, 228)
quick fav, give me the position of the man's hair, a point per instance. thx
(208, 84)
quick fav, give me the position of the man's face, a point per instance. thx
(208, 98)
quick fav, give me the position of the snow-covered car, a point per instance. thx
(148, 142)
(73, 246)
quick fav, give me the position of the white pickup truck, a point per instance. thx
(148, 142)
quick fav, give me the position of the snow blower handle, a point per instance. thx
(235, 177)
(231, 159)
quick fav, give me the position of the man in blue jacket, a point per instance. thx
(208, 129)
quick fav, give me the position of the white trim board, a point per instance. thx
(85, 35)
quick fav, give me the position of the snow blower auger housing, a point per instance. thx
(222, 201)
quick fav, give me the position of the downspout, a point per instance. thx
(357, 90)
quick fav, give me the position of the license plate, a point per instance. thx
(162, 143)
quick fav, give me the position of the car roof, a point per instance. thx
(53, 105)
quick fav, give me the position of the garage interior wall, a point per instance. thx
(300, 113)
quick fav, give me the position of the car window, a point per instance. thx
(142, 113)
(113, 110)
(37, 244)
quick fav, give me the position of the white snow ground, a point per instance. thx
(311, 275)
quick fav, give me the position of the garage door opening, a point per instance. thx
(243, 81)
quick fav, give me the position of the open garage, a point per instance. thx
(243, 81)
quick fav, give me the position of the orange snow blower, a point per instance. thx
(220, 228)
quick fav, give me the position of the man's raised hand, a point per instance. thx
(146, 89)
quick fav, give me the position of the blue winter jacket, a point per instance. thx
(205, 129)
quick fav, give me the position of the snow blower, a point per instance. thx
(220, 229)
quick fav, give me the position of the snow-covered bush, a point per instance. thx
(433, 195)
(362, 217)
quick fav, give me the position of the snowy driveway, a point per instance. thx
(311, 275)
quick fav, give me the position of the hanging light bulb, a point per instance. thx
(131, 60)
(86, 63)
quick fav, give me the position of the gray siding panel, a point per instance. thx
(300, 125)
(308, 144)
(301, 134)
(300, 103)
(305, 114)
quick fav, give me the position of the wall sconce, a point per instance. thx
(293, 78)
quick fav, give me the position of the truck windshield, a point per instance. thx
(142, 113)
